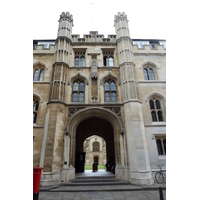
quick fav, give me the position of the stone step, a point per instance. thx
(92, 177)
(94, 180)
(95, 188)
(96, 183)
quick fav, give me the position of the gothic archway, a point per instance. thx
(102, 116)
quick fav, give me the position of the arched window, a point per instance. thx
(145, 74)
(78, 91)
(148, 73)
(156, 111)
(110, 91)
(41, 75)
(35, 76)
(96, 146)
(38, 74)
(35, 110)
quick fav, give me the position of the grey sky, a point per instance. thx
(147, 19)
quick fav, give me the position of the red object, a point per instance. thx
(36, 179)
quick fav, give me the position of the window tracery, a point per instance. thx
(38, 74)
(110, 91)
(78, 91)
(156, 111)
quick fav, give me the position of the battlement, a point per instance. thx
(92, 37)
(66, 15)
(120, 16)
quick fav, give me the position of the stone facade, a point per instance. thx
(111, 87)
(95, 148)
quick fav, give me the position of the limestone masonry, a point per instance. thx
(112, 89)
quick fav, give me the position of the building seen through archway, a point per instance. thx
(95, 148)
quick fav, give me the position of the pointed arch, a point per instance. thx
(150, 64)
(155, 94)
(40, 63)
(38, 97)
(78, 75)
(109, 75)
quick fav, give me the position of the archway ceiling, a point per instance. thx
(95, 126)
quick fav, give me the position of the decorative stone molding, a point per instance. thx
(150, 64)
(155, 94)
(40, 63)
(38, 97)
(82, 109)
(94, 66)
(78, 75)
(73, 110)
(109, 75)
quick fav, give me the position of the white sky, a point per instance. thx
(147, 19)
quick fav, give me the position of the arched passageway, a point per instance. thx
(88, 128)
(96, 121)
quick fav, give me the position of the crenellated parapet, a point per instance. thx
(94, 37)
(66, 16)
(120, 16)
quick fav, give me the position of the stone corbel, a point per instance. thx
(122, 131)
(67, 132)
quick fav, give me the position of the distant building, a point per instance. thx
(114, 88)
(95, 148)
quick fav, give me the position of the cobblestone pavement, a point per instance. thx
(128, 195)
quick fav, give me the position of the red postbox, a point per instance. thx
(36, 181)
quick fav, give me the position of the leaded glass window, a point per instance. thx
(79, 59)
(110, 91)
(108, 59)
(38, 74)
(41, 75)
(161, 145)
(35, 77)
(148, 73)
(78, 91)
(156, 111)
(35, 110)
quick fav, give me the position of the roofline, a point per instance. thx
(53, 40)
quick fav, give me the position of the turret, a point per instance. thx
(121, 25)
(125, 55)
(61, 58)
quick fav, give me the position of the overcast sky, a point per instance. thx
(147, 19)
